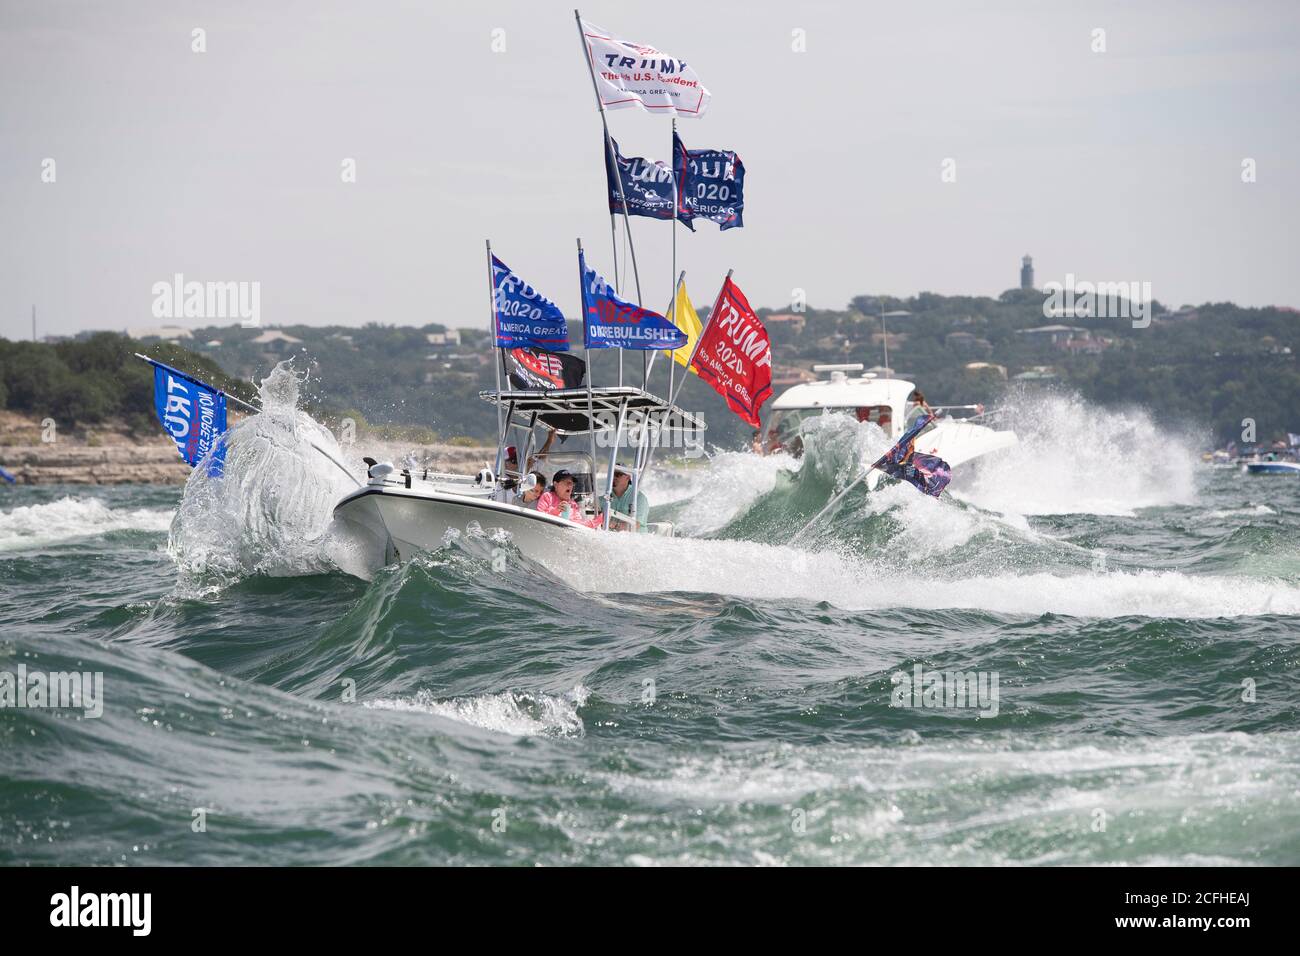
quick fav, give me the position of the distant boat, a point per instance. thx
(7, 478)
(887, 403)
(1273, 468)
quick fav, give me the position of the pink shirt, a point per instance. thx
(551, 504)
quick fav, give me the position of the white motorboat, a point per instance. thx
(962, 433)
(402, 512)
(1275, 467)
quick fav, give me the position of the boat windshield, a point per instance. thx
(783, 428)
(575, 462)
(881, 415)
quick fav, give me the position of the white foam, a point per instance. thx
(649, 565)
(70, 519)
(271, 512)
(1258, 511)
(1046, 791)
(515, 713)
(1078, 458)
(718, 492)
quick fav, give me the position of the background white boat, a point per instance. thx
(1273, 468)
(963, 434)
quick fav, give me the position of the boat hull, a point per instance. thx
(395, 524)
(958, 442)
(1273, 468)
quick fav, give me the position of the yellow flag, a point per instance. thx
(683, 316)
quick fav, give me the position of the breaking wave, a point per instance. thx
(271, 511)
(514, 713)
(1077, 458)
(70, 519)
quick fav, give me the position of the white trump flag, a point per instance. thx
(633, 74)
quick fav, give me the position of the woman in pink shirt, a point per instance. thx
(558, 501)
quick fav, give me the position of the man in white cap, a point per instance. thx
(622, 503)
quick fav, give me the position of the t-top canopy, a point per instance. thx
(570, 411)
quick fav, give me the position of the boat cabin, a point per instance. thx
(884, 402)
(620, 425)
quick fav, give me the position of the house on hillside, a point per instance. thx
(1086, 344)
(966, 343)
(275, 342)
(450, 337)
(167, 333)
(1052, 334)
(791, 320)
(1039, 374)
(1186, 313)
(975, 368)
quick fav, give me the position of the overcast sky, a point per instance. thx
(225, 165)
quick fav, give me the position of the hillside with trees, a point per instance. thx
(96, 378)
(1211, 365)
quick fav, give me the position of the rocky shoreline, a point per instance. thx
(110, 455)
(65, 463)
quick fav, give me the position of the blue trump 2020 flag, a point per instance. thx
(610, 323)
(647, 186)
(193, 413)
(929, 474)
(524, 317)
(712, 185)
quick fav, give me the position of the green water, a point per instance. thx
(720, 698)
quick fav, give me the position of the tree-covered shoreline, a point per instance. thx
(1213, 365)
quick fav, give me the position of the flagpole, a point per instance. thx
(712, 312)
(676, 199)
(655, 354)
(496, 357)
(646, 452)
(247, 407)
(618, 177)
(582, 308)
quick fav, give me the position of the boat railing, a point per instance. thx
(975, 414)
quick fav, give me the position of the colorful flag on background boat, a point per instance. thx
(735, 355)
(685, 318)
(193, 413)
(524, 317)
(634, 74)
(610, 323)
(647, 185)
(929, 474)
(712, 185)
(540, 369)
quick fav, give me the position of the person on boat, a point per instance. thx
(558, 500)
(883, 417)
(530, 496)
(919, 400)
(512, 456)
(622, 503)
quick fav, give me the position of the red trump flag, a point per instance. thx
(734, 354)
